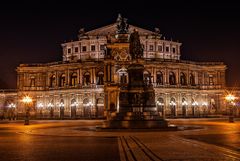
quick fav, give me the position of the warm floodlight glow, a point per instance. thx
(172, 103)
(184, 103)
(195, 103)
(40, 105)
(89, 104)
(50, 105)
(12, 105)
(74, 104)
(204, 103)
(160, 103)
(61, 104)
(27, 99)
(230, 98)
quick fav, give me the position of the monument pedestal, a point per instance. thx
(135, 120)
(137, 106)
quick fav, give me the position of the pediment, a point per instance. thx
(111, 29)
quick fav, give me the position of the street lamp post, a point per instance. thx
(12, 107)
(230, 100)
(27, 101)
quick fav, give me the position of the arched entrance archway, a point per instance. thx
(184, 107)
(87, 108)
(51, 109)
(172, 107)
(100, 108)
(160, 106)
(61, 108)
(73, 108)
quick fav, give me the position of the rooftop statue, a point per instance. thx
(82, 33)
(122, 26)
(135, 48)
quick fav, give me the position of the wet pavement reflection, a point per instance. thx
(21, 146)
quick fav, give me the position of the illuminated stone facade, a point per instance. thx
(86, 83)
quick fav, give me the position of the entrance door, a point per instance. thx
(100, 111)
(87, 111)
(73, 112)
(61, 112)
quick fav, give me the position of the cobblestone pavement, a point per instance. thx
(204, 139)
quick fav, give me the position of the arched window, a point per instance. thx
(192, 80)
(183, 80)
(52, 81)
(172, 78)
(62, 80)
(159, 80)
(73, 79)
(86, 79)
(32, 81)
(100, 77)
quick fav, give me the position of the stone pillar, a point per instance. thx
(67, 77)
(112, 73)
(80, 76)
(154, 75)
(177, 74)
(166, 76)
(57, 79)
(94, 75)
(105, 73)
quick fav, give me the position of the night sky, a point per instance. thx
(32, 31)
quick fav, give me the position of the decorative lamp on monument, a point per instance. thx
(27, 102)
(230, 98)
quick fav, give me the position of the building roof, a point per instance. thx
(112, 29)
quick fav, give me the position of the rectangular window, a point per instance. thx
(93, 48)
(211, 80)
(84, 48)
(69, 51)
(160, 48)
(174, 50)
(167, 48)
(76, 49)
(150, 47)
(102, 47)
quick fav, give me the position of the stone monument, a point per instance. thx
(137, 107)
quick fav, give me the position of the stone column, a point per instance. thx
(80, 76)
(94, 75)
(166, 76)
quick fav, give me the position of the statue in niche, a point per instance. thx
(122, 26)
(135, 48)
(123, 78)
